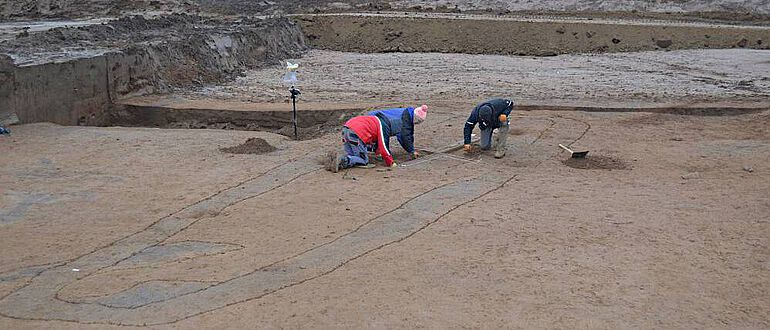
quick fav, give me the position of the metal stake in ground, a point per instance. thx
(294, 93)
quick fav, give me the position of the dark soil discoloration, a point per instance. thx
(597, 163)
(707, 10)
(648, 119)
(311, 132)
(472, 34)
(254, 146)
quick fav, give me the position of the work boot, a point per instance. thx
(332, 161)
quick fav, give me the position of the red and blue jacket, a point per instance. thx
(372, 131)
(401, 125)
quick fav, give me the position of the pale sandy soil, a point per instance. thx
(624, 79)
(677, 238)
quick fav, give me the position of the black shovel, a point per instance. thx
(575, 154)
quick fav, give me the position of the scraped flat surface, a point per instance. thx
(159, 227)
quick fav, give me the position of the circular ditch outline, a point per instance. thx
(275, 270)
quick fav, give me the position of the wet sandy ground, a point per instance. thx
(587, 5)
(165, 229)
(624, 80)
(109, 227)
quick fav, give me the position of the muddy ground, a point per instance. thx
(518, 35)
(143, 226)
(664, 225)
(600, 80)
(729, 10)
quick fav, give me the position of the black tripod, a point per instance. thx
(294, 94)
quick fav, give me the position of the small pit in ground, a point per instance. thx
(597, 163)
(253, 146)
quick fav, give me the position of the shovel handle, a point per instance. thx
(565, 148)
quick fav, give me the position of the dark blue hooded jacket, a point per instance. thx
(401, 125)
(486, 114)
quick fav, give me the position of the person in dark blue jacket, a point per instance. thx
(490, 115)
(402, 121)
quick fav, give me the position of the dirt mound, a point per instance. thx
(597, 163)
(115, 34)
(86, 8)
(263, 40)
(254, 146)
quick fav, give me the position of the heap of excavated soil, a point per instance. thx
(254, 146)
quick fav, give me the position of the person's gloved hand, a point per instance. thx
(415, 154)
(503, 118)
(467, 148)
(394, 165)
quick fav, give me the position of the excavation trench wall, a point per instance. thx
(7, 81)
(82, 91)
(169, 117)
(85, 91)
(373, 33)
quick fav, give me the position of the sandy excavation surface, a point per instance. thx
(666, 224)
(624, 79)
(164, 229)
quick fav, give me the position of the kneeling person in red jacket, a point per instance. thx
(357, 134)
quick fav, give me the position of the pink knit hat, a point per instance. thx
(420, 113)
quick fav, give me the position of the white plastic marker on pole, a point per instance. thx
(291, 73)
(291, 78)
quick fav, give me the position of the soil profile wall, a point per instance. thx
(373, 33)
(81, 91)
